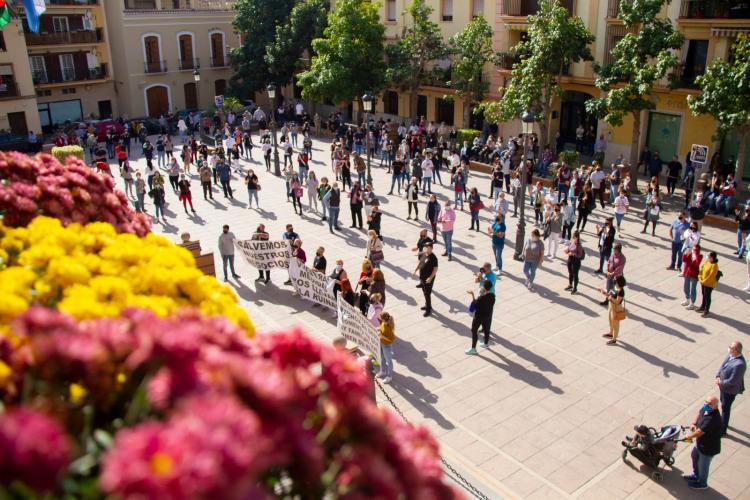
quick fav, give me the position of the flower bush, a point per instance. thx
(190, 407)
(61, 153)
(70, 192)
(92, 271)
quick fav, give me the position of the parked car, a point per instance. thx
(152, 124)
(12, 142)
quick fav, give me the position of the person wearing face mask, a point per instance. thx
(185, 195)
(554, 221)
(691, 237)
(615, 268)
(260, 234)
(342, 284)
(332, 199)
(226, 250)
(615, 299)
(708, 276)
(483, 306)
(691, 266)
(447, 219)
(497, 231)
(533, 257)
(320, 263)
(706, 429)
(730, 380)
(427, 269)
(676, 230)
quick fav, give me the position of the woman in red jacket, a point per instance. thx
(691, 263)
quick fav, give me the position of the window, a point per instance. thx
(218, 52)
(477, 8)
(70, 90)
(185, 43)
(38, 69)
(391, 10)
(422, 106)
(220, 87)
(447, 10)
(7, 82)
(152, 54)
(694, 61)
(445, 110)
(60, 24)
(390, 102)
(67, 67)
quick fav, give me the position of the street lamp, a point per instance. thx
(527, 127)
(272, 97)
(197, 78)
(368, 101)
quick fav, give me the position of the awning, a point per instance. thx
(516, 26)
(728, 32)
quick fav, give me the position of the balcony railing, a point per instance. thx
(687, 75)
(66, 75)
(507, 60)
(183, 6)
(71, 2)
(185, 64)
(699, 9)
(155, 67)
(530, 7)
(65, 37)
(220, 61)
(8, 88)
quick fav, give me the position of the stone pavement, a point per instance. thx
(542, 412)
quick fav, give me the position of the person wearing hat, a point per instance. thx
(427, 269)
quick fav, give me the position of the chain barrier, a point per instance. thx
(457, 476)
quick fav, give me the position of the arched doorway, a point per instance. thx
(572, 114)
(191, 96)
(157, 100)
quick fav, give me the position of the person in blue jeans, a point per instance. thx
(332, 199)
(676, 229)
(743, 229)
(497, 230)
(706, 429)
(533, 257)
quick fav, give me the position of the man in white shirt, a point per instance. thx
(597, 183)
(427, 170)
(299, 109)
(226, 249)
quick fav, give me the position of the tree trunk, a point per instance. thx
(544, 127)
(467, 113)
(741, 152)
(634, 153)
(413, 98)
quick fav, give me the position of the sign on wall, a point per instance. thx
(698, 153)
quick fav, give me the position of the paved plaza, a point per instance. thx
(541, 413)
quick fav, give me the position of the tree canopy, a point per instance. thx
(349, 58)
(725, 95)
(411, 60)
(642, 58)
(471, 50)
(555, 41)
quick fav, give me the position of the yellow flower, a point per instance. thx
(5, 374)
(77, 393)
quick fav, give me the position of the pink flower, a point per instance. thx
(33, 449)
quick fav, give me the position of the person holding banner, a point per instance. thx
(387, 338)
(427, 268)
(319, 263)
(373, 312)
(299, 254)
(341, 283)
(363, 284)
(260, 234)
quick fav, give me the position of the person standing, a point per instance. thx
(312, 192)
(533, 257)
(427, 268)
(730, 380)
(387, 338)
(421, 243)
(615, 299)
(475, 205)
(205, 175)
(597, 184)
(355, 205)
(743, 229)
(483, 307)
(622, 204)
(159, 196)
(485, 274)
(433, 214)
(428, 169)
(691, 266)
(568, 219)
(447, 219)
(225, 176)
(342, 284)
(676, 231)
(586, 204)
(296, 190)
(185, 194)
(615, 268)
(174, 174)
(260, 234)
(374, 249)
(332, 200)
(606, 237)
(412, 195)
(140, 193)
(497, 231)
(297, 253)
(706, 429)
(251, 180)
(554, 222)
(674, 168)
(708, 276)
(226, 250)
(653, 209)
(319, 262)
(576, 254)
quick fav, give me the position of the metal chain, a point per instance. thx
(457, 475)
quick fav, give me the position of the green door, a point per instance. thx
(664, 134)
(729, 148)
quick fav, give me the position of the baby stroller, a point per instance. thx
(651, 446)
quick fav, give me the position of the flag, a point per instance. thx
(34, 9)
(4, 14)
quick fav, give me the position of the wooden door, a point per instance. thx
(191, 96)
(220, 87)
(217, 49)
(186, 52)
(17, 122)
(153, 57)
(158, 101)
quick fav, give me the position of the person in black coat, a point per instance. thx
(483, 307)
(606, 235)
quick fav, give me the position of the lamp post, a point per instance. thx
(272, 97)
(368, 101)
(197, 78)
(527, 124)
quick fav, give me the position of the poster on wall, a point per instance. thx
(698, 153)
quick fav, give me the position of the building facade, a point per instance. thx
(161, 46)
(18, 107)
(70, 63)
(709, 27)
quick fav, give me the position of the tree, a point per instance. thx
(411, 60)
(294, 38)
(471, 48)
(555, 41)
(725, 95)
(640, 60)
(257, 21)
(349, 58)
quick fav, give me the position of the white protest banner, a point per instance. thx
(265, 255)
(311, 285)
(355, 328)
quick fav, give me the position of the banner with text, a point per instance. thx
(266, 255)
(355, 328)
(311, 285)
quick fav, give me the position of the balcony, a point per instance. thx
(507, 60)
(65, 37)
(187, 64)
(221, 61)
(71, 3)
(712, 9)
(67, 75)
(525, 8)
(8, 87)
(136, 7)
(155, 67)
